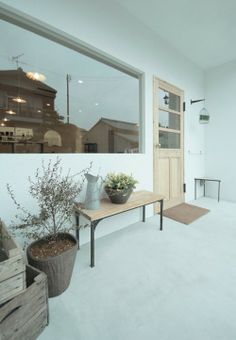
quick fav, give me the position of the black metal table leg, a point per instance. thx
(204, 193)
(77, 229)
(92, 242)
(195, 189)
(161, 214)
(92, 245)
(144, 216)
(219, 191)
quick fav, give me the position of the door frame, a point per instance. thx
(159, 83)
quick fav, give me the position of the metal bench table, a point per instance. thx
(204, 180)
(108, 209)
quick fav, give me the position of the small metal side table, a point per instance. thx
(138, 199)
(204, 180)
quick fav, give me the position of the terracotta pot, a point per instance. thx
(118, 196)
(57, 268)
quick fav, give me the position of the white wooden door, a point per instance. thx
(168, 143)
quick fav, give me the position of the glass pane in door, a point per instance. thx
(169, 100)
(169, 120)
(169, 140)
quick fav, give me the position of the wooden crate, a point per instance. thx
(26, 315)
(12, 266)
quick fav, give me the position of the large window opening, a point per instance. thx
(54, 99)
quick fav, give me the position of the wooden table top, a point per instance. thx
(137, 199)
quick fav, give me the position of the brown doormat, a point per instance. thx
(185, 213)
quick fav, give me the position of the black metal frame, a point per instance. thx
(204, 180)
(93, 225)
(196, 101)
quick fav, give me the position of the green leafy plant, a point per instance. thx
(55, 195)
(120, 181)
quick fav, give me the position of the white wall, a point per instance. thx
(220, 132)
(105, 25)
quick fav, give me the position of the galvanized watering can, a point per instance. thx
(93, 192)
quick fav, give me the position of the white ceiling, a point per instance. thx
(202, 30)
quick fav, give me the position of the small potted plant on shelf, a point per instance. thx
(119, 187)
(54, 249)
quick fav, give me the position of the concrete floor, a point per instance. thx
(176, 284)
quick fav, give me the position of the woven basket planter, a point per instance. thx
(57, 268)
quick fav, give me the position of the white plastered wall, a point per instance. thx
(220, 133)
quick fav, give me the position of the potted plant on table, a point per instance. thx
(119, 187)
(54, 249)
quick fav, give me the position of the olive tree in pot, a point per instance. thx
(54, 249)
